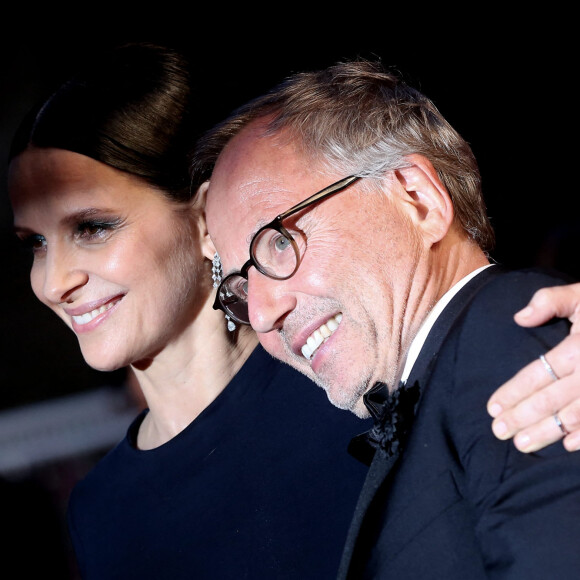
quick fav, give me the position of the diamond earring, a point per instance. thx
(216, 270)
(216, 276)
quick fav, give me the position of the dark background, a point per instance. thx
(507, 84)
(510, 91)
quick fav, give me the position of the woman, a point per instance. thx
(238, 466)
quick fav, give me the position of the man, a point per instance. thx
(380, 289)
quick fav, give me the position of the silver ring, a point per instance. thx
(548, 368)
(560, 425)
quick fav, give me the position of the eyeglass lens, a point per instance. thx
(277, 252)
(234, 297)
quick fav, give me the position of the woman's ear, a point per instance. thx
(198, 205)
(426, 200)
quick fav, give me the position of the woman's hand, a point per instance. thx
(541, 403)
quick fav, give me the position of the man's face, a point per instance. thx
(352, 287)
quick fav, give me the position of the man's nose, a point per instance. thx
(269, 301)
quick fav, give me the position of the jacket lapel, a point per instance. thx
(383, 463)
(422, 368)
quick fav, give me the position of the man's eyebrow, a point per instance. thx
(259, 225)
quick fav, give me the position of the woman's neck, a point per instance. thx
(188, 375)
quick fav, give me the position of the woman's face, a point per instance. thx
(116, 260)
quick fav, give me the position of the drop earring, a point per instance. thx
(216, 276)
(216, 270)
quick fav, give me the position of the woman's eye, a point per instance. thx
(34, 242)
(94, 231)
(91, 230)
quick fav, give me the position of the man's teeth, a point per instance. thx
(320, 335)
(88, 316)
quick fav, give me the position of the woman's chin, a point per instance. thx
(104, 364)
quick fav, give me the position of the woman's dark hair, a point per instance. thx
(131, 109)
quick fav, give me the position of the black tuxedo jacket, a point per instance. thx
(456, 503)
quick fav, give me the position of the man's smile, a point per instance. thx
(320, 335)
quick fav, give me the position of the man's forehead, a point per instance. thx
(253, 159)
(257, 176)
(268, 198)
(243, 207)
(258, 203)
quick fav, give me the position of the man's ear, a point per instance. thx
(198, 205)
(427, 201)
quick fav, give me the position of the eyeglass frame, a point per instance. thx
(276, 224)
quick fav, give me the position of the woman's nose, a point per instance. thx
(63, 274)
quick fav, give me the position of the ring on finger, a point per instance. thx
(548, 368)
(560, 424)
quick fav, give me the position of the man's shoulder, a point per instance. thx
(506, 291)
(524, 280)
(485, 346)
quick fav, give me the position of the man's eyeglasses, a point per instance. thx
(275, 251)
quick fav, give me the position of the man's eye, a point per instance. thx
(240, 287)
(281, 243)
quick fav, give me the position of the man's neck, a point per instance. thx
(419, 340)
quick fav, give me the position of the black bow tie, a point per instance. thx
(392, 415)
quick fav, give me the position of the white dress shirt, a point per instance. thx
(428, 323)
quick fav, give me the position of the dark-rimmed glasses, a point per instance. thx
(275, 251)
